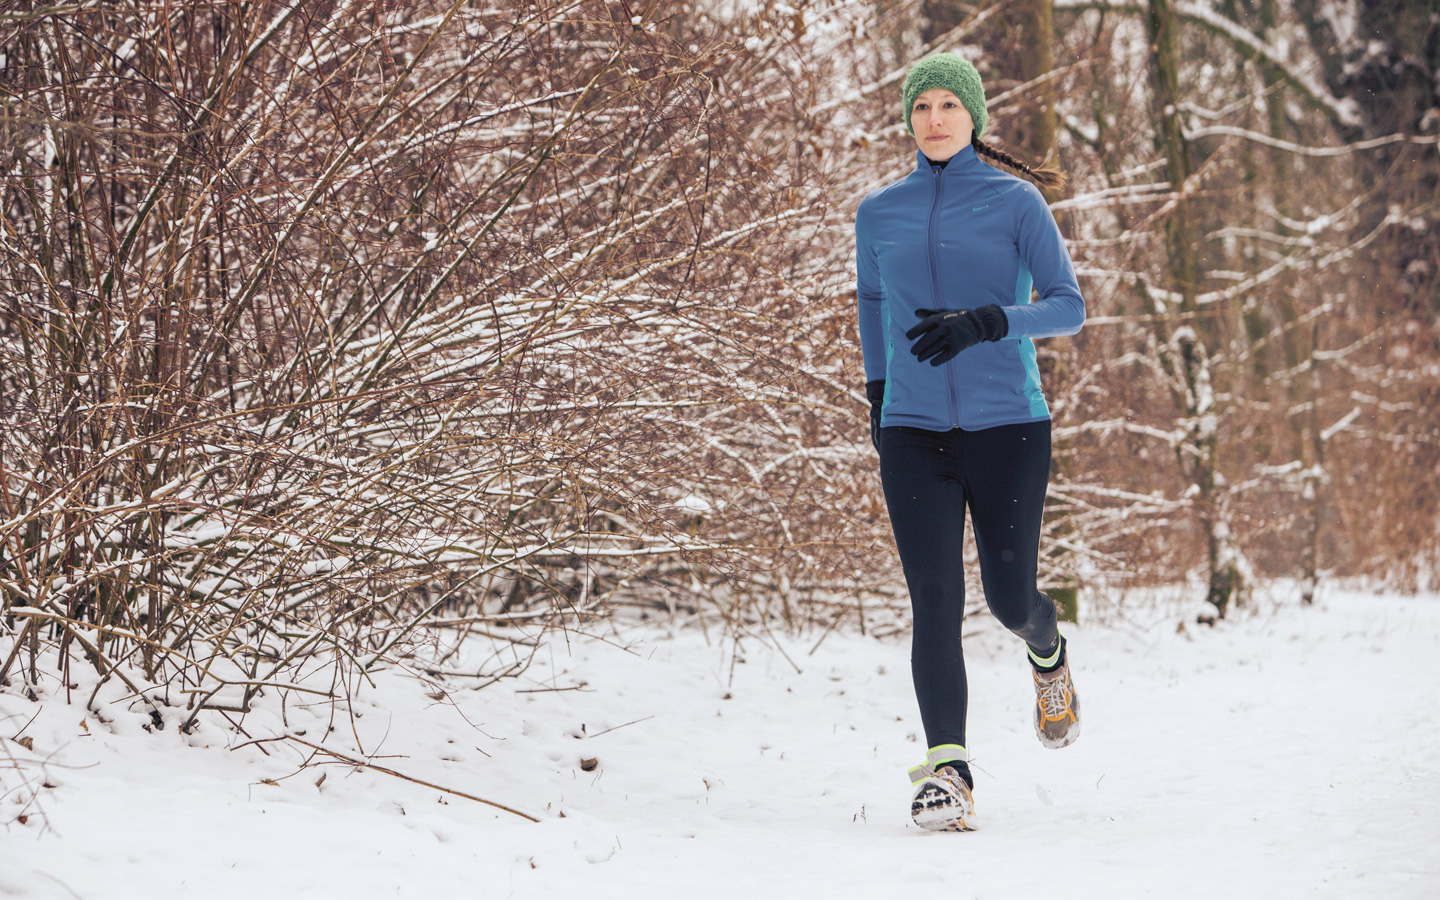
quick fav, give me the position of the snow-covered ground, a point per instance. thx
(1288, 753)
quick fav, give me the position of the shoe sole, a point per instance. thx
(935, 809)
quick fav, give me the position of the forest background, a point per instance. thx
(334, 332)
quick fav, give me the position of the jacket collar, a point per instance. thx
(965, 160)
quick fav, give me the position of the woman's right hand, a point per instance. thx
(875, 393)
(944, 334)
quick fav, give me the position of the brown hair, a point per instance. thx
(1047, 177)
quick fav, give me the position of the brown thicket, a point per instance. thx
(324, 323)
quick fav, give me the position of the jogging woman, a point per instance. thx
(947, 258)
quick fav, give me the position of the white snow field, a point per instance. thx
(1287, 753)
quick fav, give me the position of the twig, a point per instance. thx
(19, 642)
(483, 633)
(248, 743)
(67, 887)
(765, 623)
(250, 683)
(608, 730)
(369, 765)
(833, 622)
(16, 736)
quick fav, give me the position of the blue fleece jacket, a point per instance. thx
(961, 237)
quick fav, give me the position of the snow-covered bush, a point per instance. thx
(324, 323)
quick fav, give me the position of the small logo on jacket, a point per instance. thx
(984, 206)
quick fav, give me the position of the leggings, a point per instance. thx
(930, 477)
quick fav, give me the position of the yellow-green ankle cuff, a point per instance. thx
(1050, 661)
(941, 753)
(946, 753)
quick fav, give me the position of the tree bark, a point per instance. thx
(1034, 130)
(1186, 352)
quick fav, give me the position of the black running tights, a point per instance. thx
(930, 477)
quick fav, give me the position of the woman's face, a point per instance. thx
(941, 123)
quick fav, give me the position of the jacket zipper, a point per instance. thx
(935, 295)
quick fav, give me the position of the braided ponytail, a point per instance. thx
(1047, 177)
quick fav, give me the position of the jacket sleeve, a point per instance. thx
(870, 296)
(1060, 309)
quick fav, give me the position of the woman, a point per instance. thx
(947, 257)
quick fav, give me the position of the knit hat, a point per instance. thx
(956, 75)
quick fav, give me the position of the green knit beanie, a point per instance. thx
(956, 75)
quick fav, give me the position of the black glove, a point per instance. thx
(875, 393)
(947, 332)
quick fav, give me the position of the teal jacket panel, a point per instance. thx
(961, 237)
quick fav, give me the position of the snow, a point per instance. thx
(694, 503)
(1286, 752)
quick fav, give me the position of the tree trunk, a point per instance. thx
(1034, 130)
(1185, 349)
(1297, 344)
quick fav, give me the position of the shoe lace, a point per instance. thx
(1054, 697)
